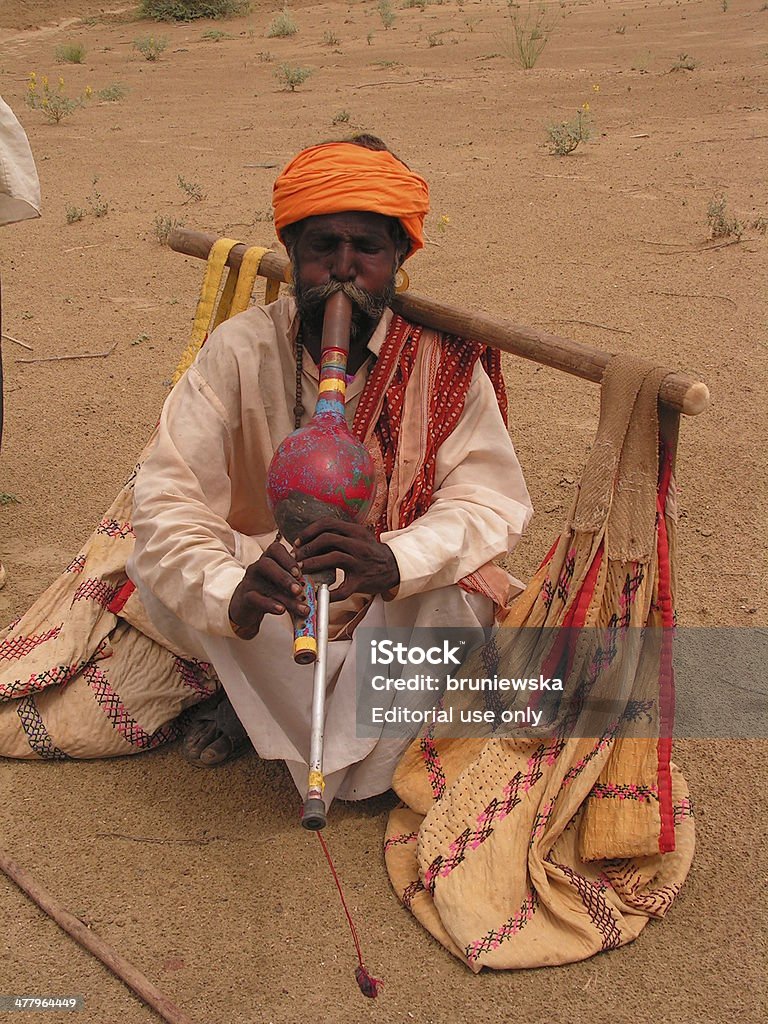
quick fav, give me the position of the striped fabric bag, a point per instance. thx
(83, 673)
(550, 846)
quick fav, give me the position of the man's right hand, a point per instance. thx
(271, 586)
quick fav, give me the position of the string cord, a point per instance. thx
(369, 985)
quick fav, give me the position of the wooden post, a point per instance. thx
(679, 390)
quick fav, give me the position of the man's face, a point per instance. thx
(354, 251)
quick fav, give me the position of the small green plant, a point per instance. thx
(722, 224)
(140, 338)
(386, 13)
(435, 39)
(191, 10)
(684, 63)
(724, 5)
(620, 30)
(530, 34)
(369, 39)
(192, 190)
(162, 227)
(8, 499)
(282, 26)
(292, 75)
(760, 224)
(150, 47)
(330, 39)
(70, 53)
(266, 57)
(74, 214)
(421, 4)
(98, 204)
(341, 118)
(215, 35)
(54, 104)
(112, 93)
(568, 135)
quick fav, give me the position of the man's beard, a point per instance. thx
(367, 307)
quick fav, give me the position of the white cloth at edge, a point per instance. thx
(19, 184)
(200, 518)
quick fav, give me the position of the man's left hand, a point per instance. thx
(369, 566)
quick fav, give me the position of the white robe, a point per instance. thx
(200, 518)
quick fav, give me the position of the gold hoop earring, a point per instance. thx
(402, 281)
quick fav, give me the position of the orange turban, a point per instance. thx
(337, 177)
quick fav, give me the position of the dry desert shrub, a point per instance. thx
(53, 103)
(112, 93)
(98, 204)
(282, 26)
(722, 223)
(193, 190)
(684, 63)
(291, 75)
(150, 47)
(530, 33)
(568, 135)
(386, 13)
(190, 10)
(162, 227)
(70, 53)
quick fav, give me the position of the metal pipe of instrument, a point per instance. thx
(336, 330)
(314, 813)
(321, 470)
(337, 321)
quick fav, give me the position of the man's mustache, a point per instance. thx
(366, 302)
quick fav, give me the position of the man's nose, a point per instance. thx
(344, 267)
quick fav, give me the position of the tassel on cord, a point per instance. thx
(368, 985)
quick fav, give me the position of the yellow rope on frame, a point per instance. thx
(214, 270)
(235, 295)
(249, 269)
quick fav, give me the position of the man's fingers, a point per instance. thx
(257, 602)
(334, 527)
(327, 562)
(273, 605)
(284, 558)
(270, 575)
(331, 544)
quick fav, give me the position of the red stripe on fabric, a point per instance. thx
(577, 613)
(574, 619)
(548, 557)
(666, 670)
(117, 603)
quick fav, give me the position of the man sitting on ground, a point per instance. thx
(450, 493)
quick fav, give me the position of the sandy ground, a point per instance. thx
(203, 879)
